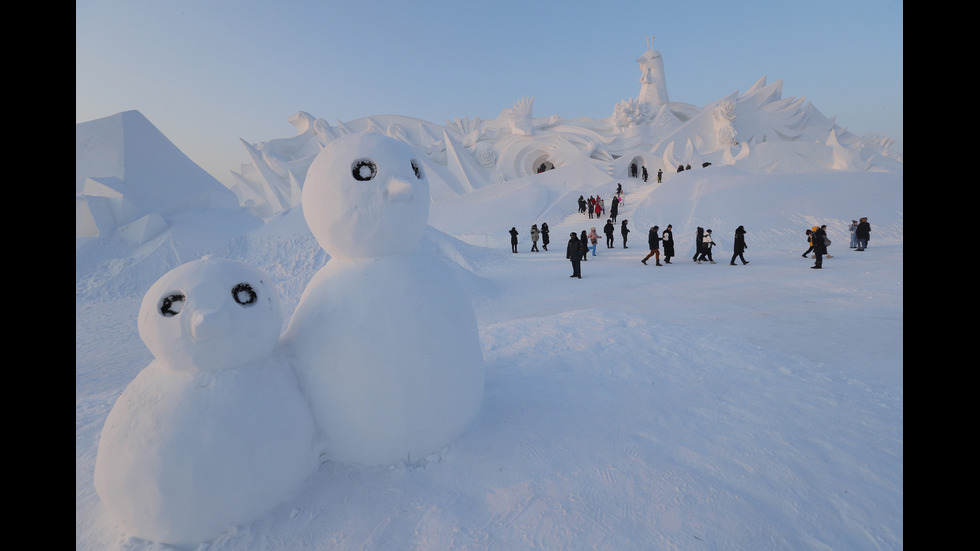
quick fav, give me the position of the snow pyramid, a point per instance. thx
(126, 169)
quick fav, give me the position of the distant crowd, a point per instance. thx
(581, 244)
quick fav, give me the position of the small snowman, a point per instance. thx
(384, 339)
(215, 430)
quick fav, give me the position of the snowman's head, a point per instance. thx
(211, 314)
(366, 195)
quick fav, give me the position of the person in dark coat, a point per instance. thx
(614, 210)
(653, 241)
(584, 240)
(667, 239)
(624, 230)
(698, 244)
(740, 246)
(660, 175)
(544, 236)
(513, 239)
(574, 254)
(680, 168)
(609, 230)
(863, 234)
(645, 174)
(819, 249)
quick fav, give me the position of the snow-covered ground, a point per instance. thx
(688, 406)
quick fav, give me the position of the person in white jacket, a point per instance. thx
(706, 244)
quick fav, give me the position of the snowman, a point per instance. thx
(215, 430)
(384, 339)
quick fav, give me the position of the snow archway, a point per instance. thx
(541, 164)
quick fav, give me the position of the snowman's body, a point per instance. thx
(215, 430)
(384, 339)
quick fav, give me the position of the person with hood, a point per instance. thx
(609, 230)
(653, 240)
(581, 203)
(740, 246)
(863, 233)
(513, 239)
(667, 238)
(535, 233)
(852, 229)
(574, 254)
(584, 246)
(819, 248)
(706, 244)
(624, 230)
(593, 240)
(544, 236)
(698, 243)
(614, 210)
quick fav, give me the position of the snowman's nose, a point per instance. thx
(399, 190)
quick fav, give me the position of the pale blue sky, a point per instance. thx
(208, 72)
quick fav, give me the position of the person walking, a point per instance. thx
(609, 230)
(593, 240)
(653, 241)
(590, 205)
(826, 241)
(574, 254)
(581, 203)
(660, 175)
(809, 241)
(706, 244)
(645, 174)
(624, 230)
(854, 238)
(544, 236)
(584, 247)
(698, 243)
(614, 210)
(667, 238)
(513, 239)
(535, 233)
(740, 246)
(819, 248)
(863, 233)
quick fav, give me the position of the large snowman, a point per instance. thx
(215, 430)
(385, 340)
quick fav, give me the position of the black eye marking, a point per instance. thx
(364, 170)
(244, 294)
(171, 304)
(417, 168)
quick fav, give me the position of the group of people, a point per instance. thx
(536, 234)
(818, 242)
(682, 168)
(595, 206)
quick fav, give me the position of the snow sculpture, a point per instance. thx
(384, 339)
(475, 153)
(215, 430)
(653, 83)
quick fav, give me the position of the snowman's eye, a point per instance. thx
(364, 169)
(244, 294)
(171, 304)
(417, 168)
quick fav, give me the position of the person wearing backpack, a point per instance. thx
(819, 246)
